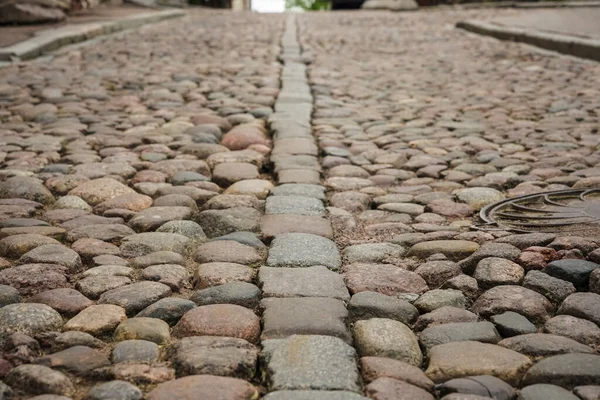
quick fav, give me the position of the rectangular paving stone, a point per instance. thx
(316, 191)
(294, 205)
(283, 317)
(315, 281)
(277, 224)
(308, 176)
(290, 250)
(295, 146)
(304, 362)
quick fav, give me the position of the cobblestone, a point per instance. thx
(268, 197)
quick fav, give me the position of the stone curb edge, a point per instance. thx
(531, 5)
(571, 45)
(49, 41)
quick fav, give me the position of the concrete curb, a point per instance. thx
(571, 45)
(52, 40)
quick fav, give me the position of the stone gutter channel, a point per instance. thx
(307, 348)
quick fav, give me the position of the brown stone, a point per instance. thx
(219, 320)
(392, 389)
(524, 301)
(210, 387)
(66, 301)
(383, 278)
(220, 273)
(378, 367)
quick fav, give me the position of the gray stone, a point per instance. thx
(240, 293)
(459, 332)
(499, 250)
(543, 345)
(173, 275)
(526, 302)
(556, 290)
(312, 395)
(373, 253)
(544, 391)
(246, 238)
(566, 370)
(135, 297)
(220, 356)
(512, 324)
(299, 189)
(494, 271)
(437, 298)
(8, 295)
(159, 257)
(578, 329)
(387, 338)
(221, 222)
(135, 351)
(317, 281)
(462, 359)
(23, 187)
(444, 315)
(484, 385)
(304, 316)
(94, 286)
(575, 271)
(454, 250)
(582, 305)
(143, 328)
(79, 360)
(478, 197)
(169, 309)
(289, 250)
(186, 228)
(143, 244)
(152, 218)
(367, 305)
(38, 379)
(295, 205)
(74, 338)
(320, 363)
(114, 390)
(29, 318)
(53, 254)
(588, 392)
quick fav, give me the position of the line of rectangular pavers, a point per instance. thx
(307, 350)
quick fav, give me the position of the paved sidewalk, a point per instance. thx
(240, 206)
(582, 22)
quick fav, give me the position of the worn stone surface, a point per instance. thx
(461, 359)
(320, 363)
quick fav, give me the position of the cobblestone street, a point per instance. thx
(234, 206)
